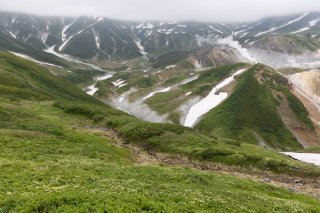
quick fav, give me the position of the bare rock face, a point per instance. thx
(214, 56)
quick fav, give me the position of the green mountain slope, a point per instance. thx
(8, 43)
(251, 113)
(60, 152)
(23, 79)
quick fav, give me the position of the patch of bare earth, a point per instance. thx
(305, 136)
(145, 157)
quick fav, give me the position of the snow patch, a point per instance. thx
(170, 67)
(301, 30)
(93, 89)
(210, 101)
(314, 22)
(313, 158)
(159, 91)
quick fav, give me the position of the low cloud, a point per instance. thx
(194, 10)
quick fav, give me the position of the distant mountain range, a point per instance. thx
(103, 38)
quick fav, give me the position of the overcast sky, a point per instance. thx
(196, 10)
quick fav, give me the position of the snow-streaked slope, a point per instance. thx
(65, 28)
(169, 88)
(34, 60)
(74, 35)
(71, 59)
(313, 158)
(93, 89)
(282, 26)
(141, 48)
(210, 101)
(159, 91)
(301, 30)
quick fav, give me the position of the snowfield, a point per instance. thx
(209, 102)
(313, 158)
(92, 89)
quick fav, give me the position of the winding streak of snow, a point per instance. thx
(313, 158)
(159, 91)
(235, 44)
(301, 30)
(65, 42)
(65, 28)
(209, 102)
(189, 80)
(219, 31)
(277, 28)
(13, 35)
(34, 60)
(141, 48)
(71, 59)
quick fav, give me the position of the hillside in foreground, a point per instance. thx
(64, 151)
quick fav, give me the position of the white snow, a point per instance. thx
(189, 80)
(96, 38)
(72, 36)
(93, 89)
(65, 28)
(277, 28)
(235, 44)
(141, 48)
(301, 30)
(197, 65)
(71, 59)
(66, 41)
(145, 26)
(170, 67)
(13, 35)
(251, 43)
(314, 22)
(313, 158)
(210, 101)
(118, 82)
(159, 91)
(121, 98)
(188, 93)
(243, 35)
(219, 31)
(34, 60)
(148, 34)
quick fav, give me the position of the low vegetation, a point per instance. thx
(56, 157)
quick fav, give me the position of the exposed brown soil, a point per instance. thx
(305, 136)
(143, 157)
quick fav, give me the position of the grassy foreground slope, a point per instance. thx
(250, 113)
(50, 162)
